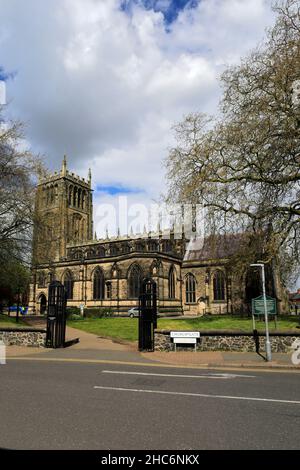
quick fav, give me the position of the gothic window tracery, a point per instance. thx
(219, 286)
(190, 289)
(135, 277)
(171, 283)
(69, 285)
(98, 285)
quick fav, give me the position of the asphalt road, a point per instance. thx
(59, 405)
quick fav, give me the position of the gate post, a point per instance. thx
(56, 316)
(147, 315)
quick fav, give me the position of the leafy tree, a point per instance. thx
(14, 282)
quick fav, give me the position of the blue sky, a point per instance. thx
(105, 84)
(169, 8)
(118, 190)
(4, 75)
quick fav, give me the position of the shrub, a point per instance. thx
(75, 317)
(98, 312)
(72, 311)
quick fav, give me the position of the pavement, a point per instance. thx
(220, 359)
(93, 348)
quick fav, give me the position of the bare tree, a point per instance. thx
(19, 170)
(244, 166)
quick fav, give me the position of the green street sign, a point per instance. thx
(258, 306)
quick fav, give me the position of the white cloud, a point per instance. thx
(105, 87)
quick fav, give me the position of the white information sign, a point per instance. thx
(185, 337)
(185, 334)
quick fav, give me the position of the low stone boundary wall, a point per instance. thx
(34, 338)
(236, 341)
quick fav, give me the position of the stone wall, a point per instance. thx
(229, 341)
(33, 338)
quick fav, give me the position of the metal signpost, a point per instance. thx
(265, 308)
(258, 308)
(2, 353)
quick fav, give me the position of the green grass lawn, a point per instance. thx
(215, 322)
(118, 328)
(127, 328)
(6, 322)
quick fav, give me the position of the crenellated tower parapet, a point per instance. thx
(64, 214)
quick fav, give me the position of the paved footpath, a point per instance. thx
(86, 341)
(223, 359)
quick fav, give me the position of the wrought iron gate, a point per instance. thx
(147, 315)
(56, 316)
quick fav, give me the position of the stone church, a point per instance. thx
(109, 272)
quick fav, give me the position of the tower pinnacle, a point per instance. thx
(64, 166)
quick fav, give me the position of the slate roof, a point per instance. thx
(214, 247)
(294, 296)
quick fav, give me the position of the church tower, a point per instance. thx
(64, 214)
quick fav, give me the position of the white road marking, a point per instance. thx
(200, 395)
(206, 376)
(231, 375)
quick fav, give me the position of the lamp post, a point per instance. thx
(268, 344)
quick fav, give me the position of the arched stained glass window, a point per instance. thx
(108, 290)
(101, 252)
(171, 283)
(98, 285)
(125, 248)
(219, 285)
(69, 284)
(190, 289)
(90, 254)
(114, 250)
(134, 282)
(166, 246)
(152, 245)
(41, 280)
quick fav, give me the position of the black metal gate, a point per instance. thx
(56, 316)
(147, 315)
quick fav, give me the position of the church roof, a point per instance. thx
(214, 247)
(294, 296)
